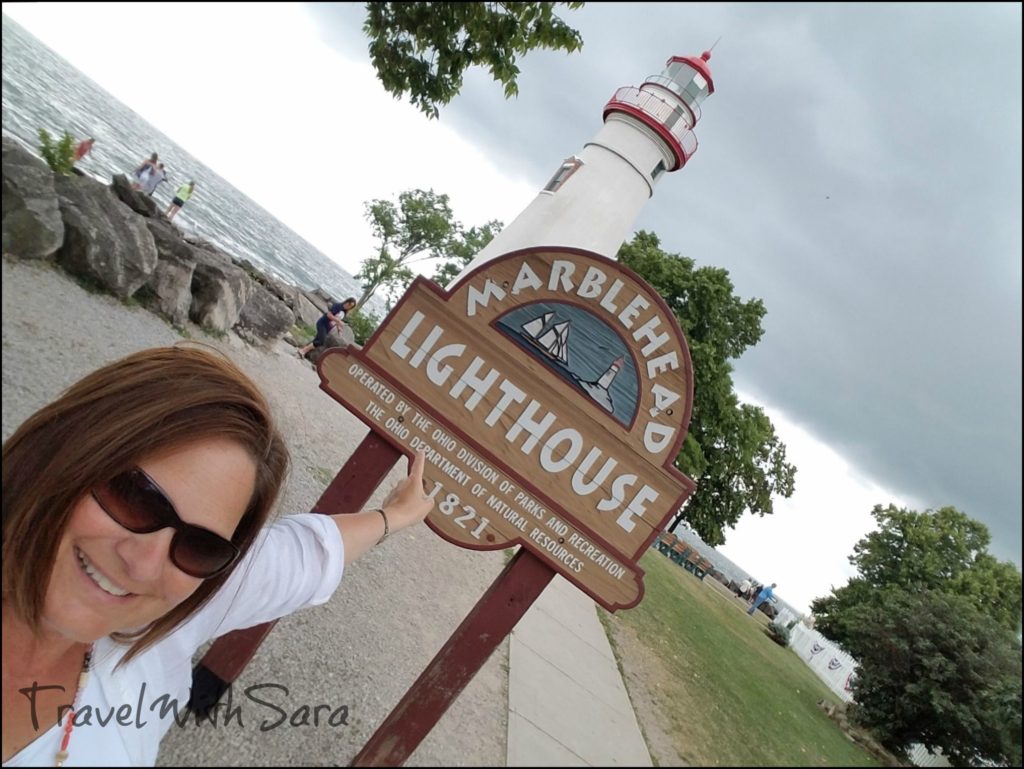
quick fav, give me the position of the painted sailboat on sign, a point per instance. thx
(545, 330)
(554, 342)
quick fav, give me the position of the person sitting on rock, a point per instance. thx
(334, 316)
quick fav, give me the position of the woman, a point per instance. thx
(141, 174)
(155, 178)
(84, 148)
(180, 198)
(135, 513)
(142, 180)
(334, 316)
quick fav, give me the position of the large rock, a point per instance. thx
(265, 315)
(104, 240)
(319, 297)
(32, 224)
(303, 310)
(168, 240)
(219, 290)
(343, 337)
(171, 281)
(306, 312)
(139, 202)
(286, 293)
(316, 298)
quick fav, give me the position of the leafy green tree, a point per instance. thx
(363, 324)
(420, 227)
(731, 450)
(935, 669)
(942, 550)
(464, 246)
(423, 49)
(59, 155)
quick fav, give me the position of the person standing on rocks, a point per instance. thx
(143, 171)
(156, 176)
(180, 198)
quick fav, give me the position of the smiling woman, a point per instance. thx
(135, 513)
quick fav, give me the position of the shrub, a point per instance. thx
(363, 325)
(59, 156)
(778, 633)
(302, 331)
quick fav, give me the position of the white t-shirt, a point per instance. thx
(150, 183)
(295, 562)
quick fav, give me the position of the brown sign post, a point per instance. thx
(550, 390)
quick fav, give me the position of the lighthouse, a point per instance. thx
(608, 376)
(595, 196)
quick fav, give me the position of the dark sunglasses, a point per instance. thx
(135, 501)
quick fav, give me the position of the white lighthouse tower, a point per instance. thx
(594, 197)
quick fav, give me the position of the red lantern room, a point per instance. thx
(669, 103)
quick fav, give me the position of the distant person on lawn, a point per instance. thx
(745, 588)
(765, 594)
(335, 316)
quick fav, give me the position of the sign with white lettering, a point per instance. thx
(550, 390)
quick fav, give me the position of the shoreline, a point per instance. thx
(396, 606)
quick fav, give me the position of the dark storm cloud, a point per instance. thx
(859, 170)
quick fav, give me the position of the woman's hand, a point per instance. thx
(407, 504)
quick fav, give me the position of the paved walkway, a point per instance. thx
(567, 703)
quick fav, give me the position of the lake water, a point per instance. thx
(42, 90)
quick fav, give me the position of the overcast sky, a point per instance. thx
(858, 170)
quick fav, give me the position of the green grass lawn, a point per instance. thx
(727, 693)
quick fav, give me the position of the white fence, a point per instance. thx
(831, 664)
(837, 669)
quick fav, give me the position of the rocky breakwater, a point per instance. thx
(116, 239)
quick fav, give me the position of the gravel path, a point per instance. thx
(395, 608)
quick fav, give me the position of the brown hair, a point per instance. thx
(149, 402)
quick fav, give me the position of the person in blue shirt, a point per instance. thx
(335, 316)
(765, 594)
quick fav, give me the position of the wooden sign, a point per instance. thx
(550, 390)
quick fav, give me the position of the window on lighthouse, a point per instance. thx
(697, 89)
(691, 85)
(567, 169)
